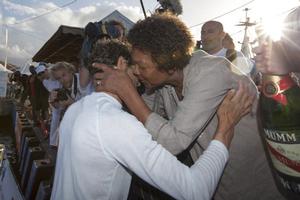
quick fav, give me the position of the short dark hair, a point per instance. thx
(32, 69)
(219, 25)
(166, 38)
(108, 52)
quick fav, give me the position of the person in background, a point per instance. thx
(24, 82)
(228, 44)
(108, 30)
(32, 94)
(70, 90)
(212, 36)
(42, 96)
(44, 74)
(66, 75)
(16, 86)
(101, 144)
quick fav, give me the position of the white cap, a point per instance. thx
(40, 68)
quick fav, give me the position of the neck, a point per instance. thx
(214, 51)
(114, 96)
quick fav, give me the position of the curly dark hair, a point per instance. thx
(108, 52)
(166, 38)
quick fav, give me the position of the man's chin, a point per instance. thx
(149, 89)
(148, 86)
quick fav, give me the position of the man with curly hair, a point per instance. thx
(188, 88)
(101, 144)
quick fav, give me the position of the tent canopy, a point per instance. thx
(66, 42)
(64, 45)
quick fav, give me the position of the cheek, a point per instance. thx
(153, 78)
(68, 78)
(146, 75)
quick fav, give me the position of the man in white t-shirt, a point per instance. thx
(100, 144)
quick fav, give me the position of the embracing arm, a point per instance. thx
(131, 145)
(203, 94)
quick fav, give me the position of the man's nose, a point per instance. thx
(136, 70)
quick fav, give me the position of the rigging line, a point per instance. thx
(224, 13)
(25, 33)
(43, 14)
(231, 34)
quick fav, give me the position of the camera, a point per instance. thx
(62, 94)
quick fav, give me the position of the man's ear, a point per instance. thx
(222, 34)
(122, 63)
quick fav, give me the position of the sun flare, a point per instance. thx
(273, 27)
(271, 15)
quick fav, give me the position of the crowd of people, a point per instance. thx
(192, 133)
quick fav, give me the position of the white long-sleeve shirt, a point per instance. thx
(100, 144)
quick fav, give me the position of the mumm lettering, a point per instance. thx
(280, 137)
(291, 186)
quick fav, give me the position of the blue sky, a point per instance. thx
(26, 38)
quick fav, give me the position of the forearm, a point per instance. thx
(225, 138)
(170, 135)
(84, 77)
(197, 182)
(209, 167)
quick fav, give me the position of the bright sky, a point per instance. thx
(27, 35)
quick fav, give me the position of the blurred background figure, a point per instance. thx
(32, 87)
(95, 32)
(44, 74)
(69, 92)
(228, 44)
(16, 85)
(212, 36)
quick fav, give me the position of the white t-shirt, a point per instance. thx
(100, 144)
